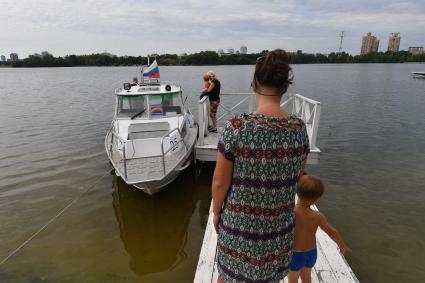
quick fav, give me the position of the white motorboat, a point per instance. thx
(152, 135)
(419, 75)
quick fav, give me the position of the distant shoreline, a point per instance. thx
(210, 58)
(85, 66)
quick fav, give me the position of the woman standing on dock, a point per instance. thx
(261, 157)
(213, 93)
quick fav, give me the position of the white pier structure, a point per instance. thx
(307, 109)
(331, 266)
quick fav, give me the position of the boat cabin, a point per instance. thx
(149, 102)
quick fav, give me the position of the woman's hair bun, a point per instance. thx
(274, 71)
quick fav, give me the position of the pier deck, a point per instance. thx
(331, 266)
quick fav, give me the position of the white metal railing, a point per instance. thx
(109, 145)
(228, 111)
(305, 108)
(204, 110)
(308, 110)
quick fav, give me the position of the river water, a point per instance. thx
(52, 125)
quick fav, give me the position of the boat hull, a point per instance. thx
(154, 186)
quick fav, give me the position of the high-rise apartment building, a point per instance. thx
(369, 44)
(394, 42)
(14, 57)
(2, 58)
(416, 50)
(244, 49)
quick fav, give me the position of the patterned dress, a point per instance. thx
(256, 228)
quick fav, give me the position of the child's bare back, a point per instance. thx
(307, 220)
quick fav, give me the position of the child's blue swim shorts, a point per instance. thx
(303, 259)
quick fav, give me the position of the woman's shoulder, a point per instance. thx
(290, 121)
(236, 122)
(296, 121)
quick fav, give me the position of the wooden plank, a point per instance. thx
(205, 270)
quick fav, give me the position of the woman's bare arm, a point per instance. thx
(222, 180)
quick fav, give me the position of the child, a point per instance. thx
(304, 253)
(206, 86)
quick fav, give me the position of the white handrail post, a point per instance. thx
(303, 110)
(207, 115)
(251, 103)
(203, 119)
(201, 122)
(317, 110)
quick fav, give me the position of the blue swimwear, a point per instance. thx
(303, 259)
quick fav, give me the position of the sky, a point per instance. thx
(141, 27)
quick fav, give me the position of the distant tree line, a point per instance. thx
(211, 58)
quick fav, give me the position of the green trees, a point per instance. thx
(211, 58)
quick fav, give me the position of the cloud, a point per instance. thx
(136, 27)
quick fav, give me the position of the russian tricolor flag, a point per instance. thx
(152, 71)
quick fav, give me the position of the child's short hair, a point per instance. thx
(206, 78)
(310, 187)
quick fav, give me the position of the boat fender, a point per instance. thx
(168, 88)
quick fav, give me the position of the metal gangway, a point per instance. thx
(305, 108)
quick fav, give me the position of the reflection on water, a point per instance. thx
(154, 229)
(117, 233)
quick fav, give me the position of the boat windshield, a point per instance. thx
(129, 106)
(168, 105)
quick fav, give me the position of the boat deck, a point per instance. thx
(331, 266)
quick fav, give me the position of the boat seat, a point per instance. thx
(148, 130)
(176, 109)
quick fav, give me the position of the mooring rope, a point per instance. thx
(77, 198)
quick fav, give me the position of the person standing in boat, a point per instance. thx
(135, 82)
(261, 156)
(213, 93)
